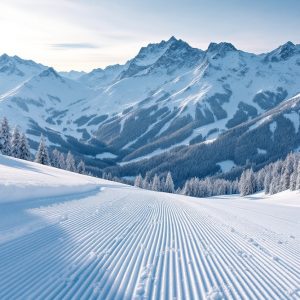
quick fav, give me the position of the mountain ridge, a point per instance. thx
(169, 94)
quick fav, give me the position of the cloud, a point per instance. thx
(76, 46)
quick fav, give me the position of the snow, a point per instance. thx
(226, 165)
(120, 242)
(261, 151)
(294, 118)
(41, 181)
(106, 155)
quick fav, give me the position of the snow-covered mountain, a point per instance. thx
(170, 94)
(14, 71)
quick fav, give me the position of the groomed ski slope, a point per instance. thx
(118, 242)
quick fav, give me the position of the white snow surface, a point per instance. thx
(121, 242)
(226, 165)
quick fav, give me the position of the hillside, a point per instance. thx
(170, 94)
(113, 241)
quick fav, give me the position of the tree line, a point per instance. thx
(16, 145)
(273, 178)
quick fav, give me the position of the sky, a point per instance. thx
(88, 34)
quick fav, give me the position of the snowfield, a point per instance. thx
(77, 237)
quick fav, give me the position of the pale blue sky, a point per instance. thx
(87, 34)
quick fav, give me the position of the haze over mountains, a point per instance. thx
(169, 95)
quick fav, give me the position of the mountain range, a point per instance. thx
(172, 107)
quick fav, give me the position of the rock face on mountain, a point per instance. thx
(169, 95)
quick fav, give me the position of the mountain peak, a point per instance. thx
(172, 39)
(49, 73)
(4, 57)
(221, 47)
(283, 52)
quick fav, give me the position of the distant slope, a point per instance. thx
(266, 138)
(126, 243)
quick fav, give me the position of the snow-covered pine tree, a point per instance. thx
(5, 137)
(109, 176)
(267, 182)
(70, 163)
(186, 189)
(178, 191)
(62, 161)
(24, 148)
(156, 183)
(288, 170)
(81, 167)
(162, 185)
(54, 160)
(298, 177)
(16, 143)
(146, 185)
(169, 186)
(147, 177)
(104, 175)
(42, 156)
(138, 181)
(242, 184)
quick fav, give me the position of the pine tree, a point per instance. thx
(147, 178)
(156, 183)
(287, 172)
(62, 162)
(169, 184)
(242, 184)
(81, 167)
(70, 163)
(54, 160)
(24, 148)
(104, 175)
(42, 156)
(146, 185)
(298, 177)
(16, 143)
(138, 181)
(267, 182)
(5, 137)
(162, 186)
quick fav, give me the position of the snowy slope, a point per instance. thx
(14, 71)
(121, 242)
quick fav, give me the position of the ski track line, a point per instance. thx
(145, 245)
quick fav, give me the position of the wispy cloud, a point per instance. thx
(76, 46)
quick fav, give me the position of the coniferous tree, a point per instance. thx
(109, 176)
(169, 186)
(81, 167)
(62, 161)
(162, 185)
(70, 163)
(24, 148)
(5, 137)
(267, 182)
(138, 181)
(156, 183)
(42, 156)
(16, 143)
(242, 184)
(146, 185)
(298, 177)
(54, 160)
(287, 172)
(104, 175)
